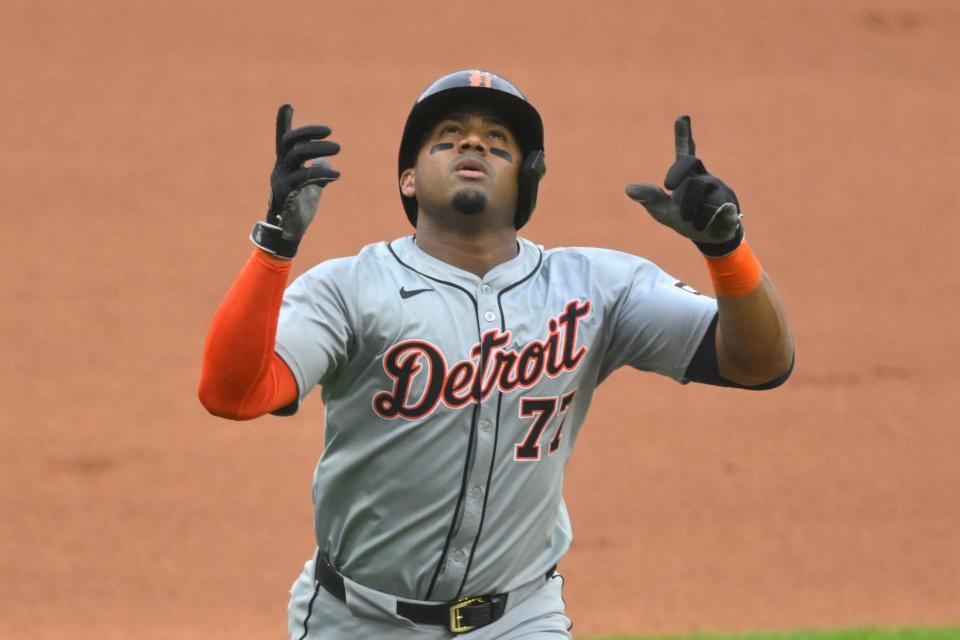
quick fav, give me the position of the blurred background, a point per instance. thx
(137, 141)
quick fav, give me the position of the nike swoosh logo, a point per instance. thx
(409, 294)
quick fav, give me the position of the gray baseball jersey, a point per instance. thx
(452, 402)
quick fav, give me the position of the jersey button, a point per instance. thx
(490, 316)
(485, 289)
(476, 492)
(459, 555)
(486, 425)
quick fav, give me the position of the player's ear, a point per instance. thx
(408, 183)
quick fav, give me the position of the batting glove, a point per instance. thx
(700, 207)
(295, 187)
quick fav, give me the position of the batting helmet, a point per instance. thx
(480, 88)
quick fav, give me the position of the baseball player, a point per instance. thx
(456, 365)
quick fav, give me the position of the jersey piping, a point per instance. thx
(496, 432)
(473, 430)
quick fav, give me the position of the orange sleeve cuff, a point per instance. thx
(735, 274)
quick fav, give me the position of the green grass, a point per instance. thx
(851, 634)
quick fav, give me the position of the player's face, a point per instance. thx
(468, 165)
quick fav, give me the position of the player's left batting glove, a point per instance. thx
(294, 187)
(700, 207)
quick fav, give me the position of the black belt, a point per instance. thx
(459, 616)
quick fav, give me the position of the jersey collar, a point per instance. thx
(503, 275)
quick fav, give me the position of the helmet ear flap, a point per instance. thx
(531, 171)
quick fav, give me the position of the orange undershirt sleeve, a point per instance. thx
(241, 376)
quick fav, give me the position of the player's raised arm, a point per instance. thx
(241, 376)
(753, 341)
(295, 187)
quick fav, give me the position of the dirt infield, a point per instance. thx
(137, 141)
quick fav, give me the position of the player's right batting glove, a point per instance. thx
(700, 207)
(294, 186)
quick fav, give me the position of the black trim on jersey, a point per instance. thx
(705, 368)
(503, 324)
(496, 431)
(316, 591)
(473, 431)
(563, 583)
(460, 500)
(486, 495)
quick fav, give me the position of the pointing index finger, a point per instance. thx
(684, 137)
(284, 118)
